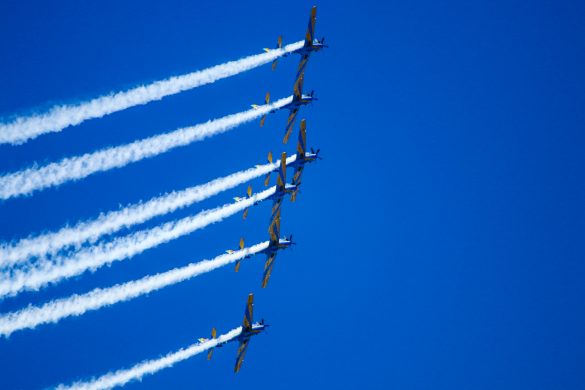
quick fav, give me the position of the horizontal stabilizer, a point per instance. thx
(213, 336)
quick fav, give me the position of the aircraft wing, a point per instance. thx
(268, 269)
(289, 124)
(275, 219)
(298, 85)
(297, 177)
(274, 227)
(249, 314)
(281, 179)
(241, 353)
(302, 144)
(311, 28)
(301, 150)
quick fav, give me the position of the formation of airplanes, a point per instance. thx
(298, 162)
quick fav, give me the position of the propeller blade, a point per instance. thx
(245, 213)
(267, 180)
(249, 190)
(267, 98)
(262, 121)
(242, 243)
(270, 157)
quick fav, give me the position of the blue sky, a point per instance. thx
(439, 241)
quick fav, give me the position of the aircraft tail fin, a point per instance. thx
(281, 179)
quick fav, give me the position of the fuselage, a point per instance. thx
(288, 188)
(299, 102)
(308, 49)
(302, 160)
(256, 328)
(282, 244)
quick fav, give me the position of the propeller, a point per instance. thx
(316, 153)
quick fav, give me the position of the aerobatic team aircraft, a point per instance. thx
(282, 188)
(299, 99)
(274, 245)
(311, 44)
(302, 157)
(249, 329)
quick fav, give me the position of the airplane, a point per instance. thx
(282, 188)
(274, 245)
(299, 99)
(310, 45)
(302, 157)
(249, 329)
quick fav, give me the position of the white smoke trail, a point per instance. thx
(89, 231)
(32, 179)
(47, 271)
(77, 305)
(121, 377)
(58, 118)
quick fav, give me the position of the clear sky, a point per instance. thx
(440, 240)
